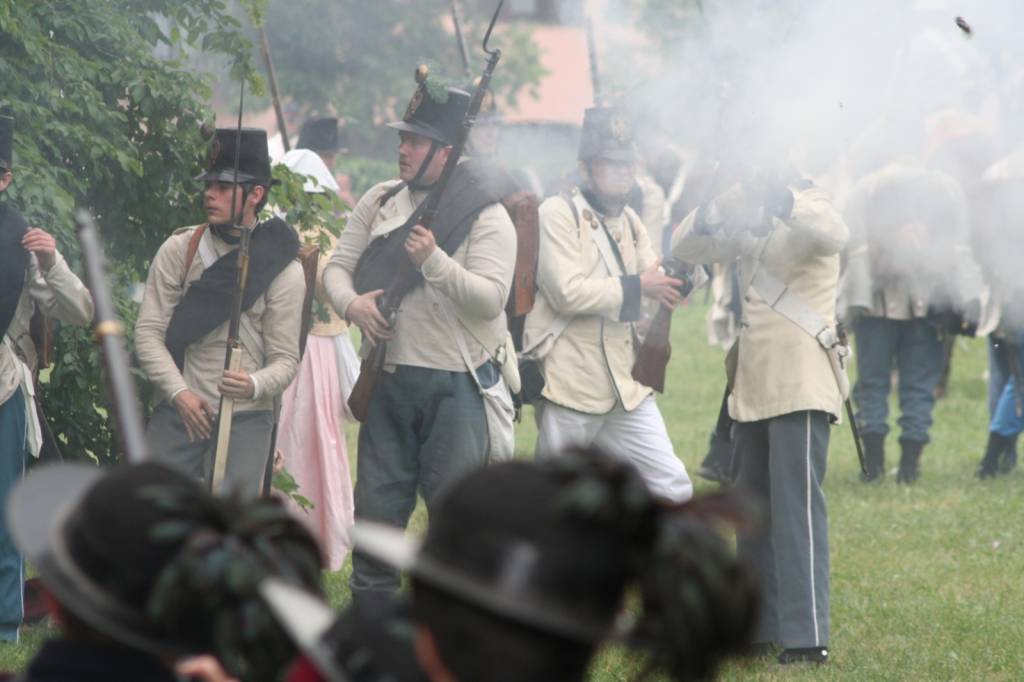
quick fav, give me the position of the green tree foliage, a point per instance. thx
(356, 58)
(108, 113)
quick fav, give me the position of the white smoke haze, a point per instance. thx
(840, 88)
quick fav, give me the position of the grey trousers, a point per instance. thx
(168, 442)
(780, 462)
(424, 428)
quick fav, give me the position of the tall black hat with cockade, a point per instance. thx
(435, 110)
(253, 159)
(6, 138)
(320, 135)
(607, 134)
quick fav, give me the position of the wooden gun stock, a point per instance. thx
(369, 372)
(225, 418)
(652, 360)
(522, 207)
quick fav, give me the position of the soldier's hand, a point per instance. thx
(659, 286)
(363, 311)
(420, 244)
(203, 668)
(196, 414)
(42, 244)
(236, 385)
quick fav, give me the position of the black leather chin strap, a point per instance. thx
(414, 184)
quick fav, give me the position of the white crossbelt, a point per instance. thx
(788, 304)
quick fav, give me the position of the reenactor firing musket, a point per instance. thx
(408, 277)
(233, 354)
(109, 336)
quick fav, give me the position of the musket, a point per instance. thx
(408, 277)
(109, 335)
(272, 80)
(233, 354)
(595, 73)
(652, 359)
(460, 40)
(851, 416)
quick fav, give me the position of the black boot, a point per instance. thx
(1009, 461)
(988, 467)
(910, 458)
(874, 457)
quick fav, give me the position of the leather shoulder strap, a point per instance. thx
(193, 247)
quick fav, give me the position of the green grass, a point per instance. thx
(926, 581)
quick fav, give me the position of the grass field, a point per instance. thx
(926, 581)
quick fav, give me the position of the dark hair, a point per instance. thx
(470, 640)
(603, 534)
(208, 594)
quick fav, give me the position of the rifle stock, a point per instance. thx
(226, 414)
(652, 359)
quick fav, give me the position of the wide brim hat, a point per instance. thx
(253, 157)
(518, 560)
(308, 163)
(38, 511)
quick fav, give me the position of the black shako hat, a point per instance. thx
(607, 134)
(501, 539)
(319, 135)
(253, 160)
(435, 111)
(94, 537)
(6, 138)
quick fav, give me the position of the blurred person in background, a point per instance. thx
(314, 409)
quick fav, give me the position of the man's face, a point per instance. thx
(217, 202)
(412, 151)
(5, 178)
(613, 178)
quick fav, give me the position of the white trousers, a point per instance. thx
(638, 437)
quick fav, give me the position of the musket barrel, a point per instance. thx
(109, 333)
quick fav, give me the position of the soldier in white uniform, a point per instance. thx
(596, 265)
(33, 275)
(788, 387)
(182, 330)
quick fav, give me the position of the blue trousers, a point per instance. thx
(424, 428)
(12, 468)
(1005, 419)
(914, 348)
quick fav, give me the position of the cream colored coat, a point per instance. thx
(476, 279)
(271, 359)
(781, 369)
(589, 367)
(60, 295)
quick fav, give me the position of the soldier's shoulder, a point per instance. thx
(377, 193)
